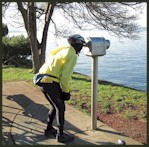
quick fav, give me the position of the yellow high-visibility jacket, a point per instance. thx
(60, 64)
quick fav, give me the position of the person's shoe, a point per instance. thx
(64, 138)
(51, 132)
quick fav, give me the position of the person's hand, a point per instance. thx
(65, 96)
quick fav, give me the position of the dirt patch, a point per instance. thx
(133, 128)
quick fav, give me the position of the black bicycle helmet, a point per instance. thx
(77, 41)
(76, 38)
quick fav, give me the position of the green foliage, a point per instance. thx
(15, 50)
(106, 108)
(16, 45)
(119, 108)
(112, 98)
(130, 114)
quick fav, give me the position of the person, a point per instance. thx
(53, 78)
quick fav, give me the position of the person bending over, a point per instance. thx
(53, 78)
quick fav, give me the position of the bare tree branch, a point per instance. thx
(5, 6)
(114, 17)
(110, 16)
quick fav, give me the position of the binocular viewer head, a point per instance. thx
(96, 46)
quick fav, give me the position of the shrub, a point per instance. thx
(130, 114)
(16, 49)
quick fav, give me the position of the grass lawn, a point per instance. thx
(10, 74)
(112, 98)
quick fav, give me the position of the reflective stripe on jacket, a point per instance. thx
(61, 63)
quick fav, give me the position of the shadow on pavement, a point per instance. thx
(109, 132)
(31, 131)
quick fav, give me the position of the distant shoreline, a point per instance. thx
(111, 83)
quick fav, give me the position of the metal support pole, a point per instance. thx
(94, 93)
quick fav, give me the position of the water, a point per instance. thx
(125, 62)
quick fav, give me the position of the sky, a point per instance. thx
(143, 17)
(15, 29)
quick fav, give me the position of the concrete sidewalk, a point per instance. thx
(24, 112)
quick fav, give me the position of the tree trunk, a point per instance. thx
(48, 15)
(29, 17)
(32, 33)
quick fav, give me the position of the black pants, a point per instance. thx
(53, 94)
